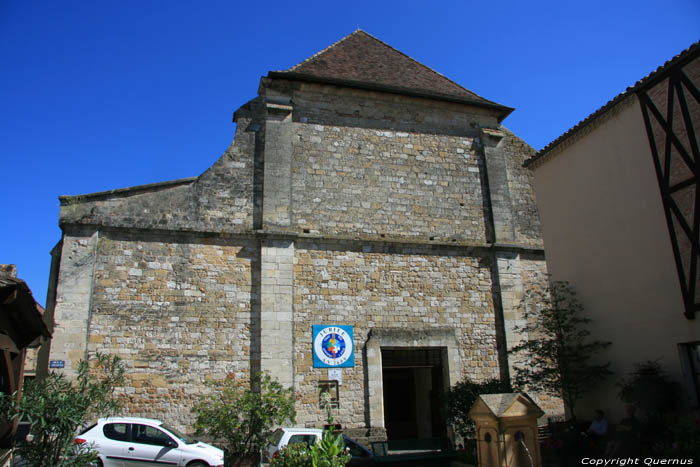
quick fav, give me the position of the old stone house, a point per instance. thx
(363, 191)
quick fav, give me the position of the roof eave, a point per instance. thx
(74, 199)
(653, 78)
(502, 110)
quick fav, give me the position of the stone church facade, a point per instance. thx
(361, 189)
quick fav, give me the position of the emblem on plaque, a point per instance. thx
(333, 346)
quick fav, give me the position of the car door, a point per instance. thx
(113, 446)
(151, 446)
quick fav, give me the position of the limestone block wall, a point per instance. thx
(520, 184)
(387, 287)
(30, 362)
(276, 313)
(342, 106)
(518, 273)
(228, 271)
(177, 310)
(73, 300)
(378, 182)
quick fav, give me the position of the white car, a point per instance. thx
(131, 441)
(284, 436)
(360, 456)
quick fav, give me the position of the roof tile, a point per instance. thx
(361, 58)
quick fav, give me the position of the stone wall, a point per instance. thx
(368, 182)
(520, 183)
(332, 206)
(519, 273)
(177, 310)
(8, 270)
(74, 296)
(324, 104)
(388, 287)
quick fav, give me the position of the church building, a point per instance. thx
(369, 231)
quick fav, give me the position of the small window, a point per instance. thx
(331, 388)
(115, 431)
(145, 434)
(306, 439)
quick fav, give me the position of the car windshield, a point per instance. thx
(184, 438)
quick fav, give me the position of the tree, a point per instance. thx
(55, 407)
(243, 418)
(557, 353)
(460, 398)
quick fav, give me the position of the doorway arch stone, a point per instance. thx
(442, 338)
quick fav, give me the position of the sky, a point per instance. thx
(109, 94)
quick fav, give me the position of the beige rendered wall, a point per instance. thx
(604, 230)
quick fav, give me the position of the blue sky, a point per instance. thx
(109, 94)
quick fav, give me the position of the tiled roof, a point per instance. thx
(364, 61)
(648, 81)
(21, 315)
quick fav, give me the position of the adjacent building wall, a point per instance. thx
(605, 232)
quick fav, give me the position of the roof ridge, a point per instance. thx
(308, 59)
(424, 65)
(357, 31)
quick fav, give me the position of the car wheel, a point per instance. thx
(197, 464)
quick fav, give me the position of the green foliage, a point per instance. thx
(243, 418)
(56, 408)
(460, 398)
(293, 455)
(558, 353)
(330, 450)
(649, 388)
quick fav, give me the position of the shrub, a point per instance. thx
(330, 450)
(243, 418)
(56, 408)
(293, 455)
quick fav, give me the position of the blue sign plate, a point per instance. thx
(333, 346)
(57, 364)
